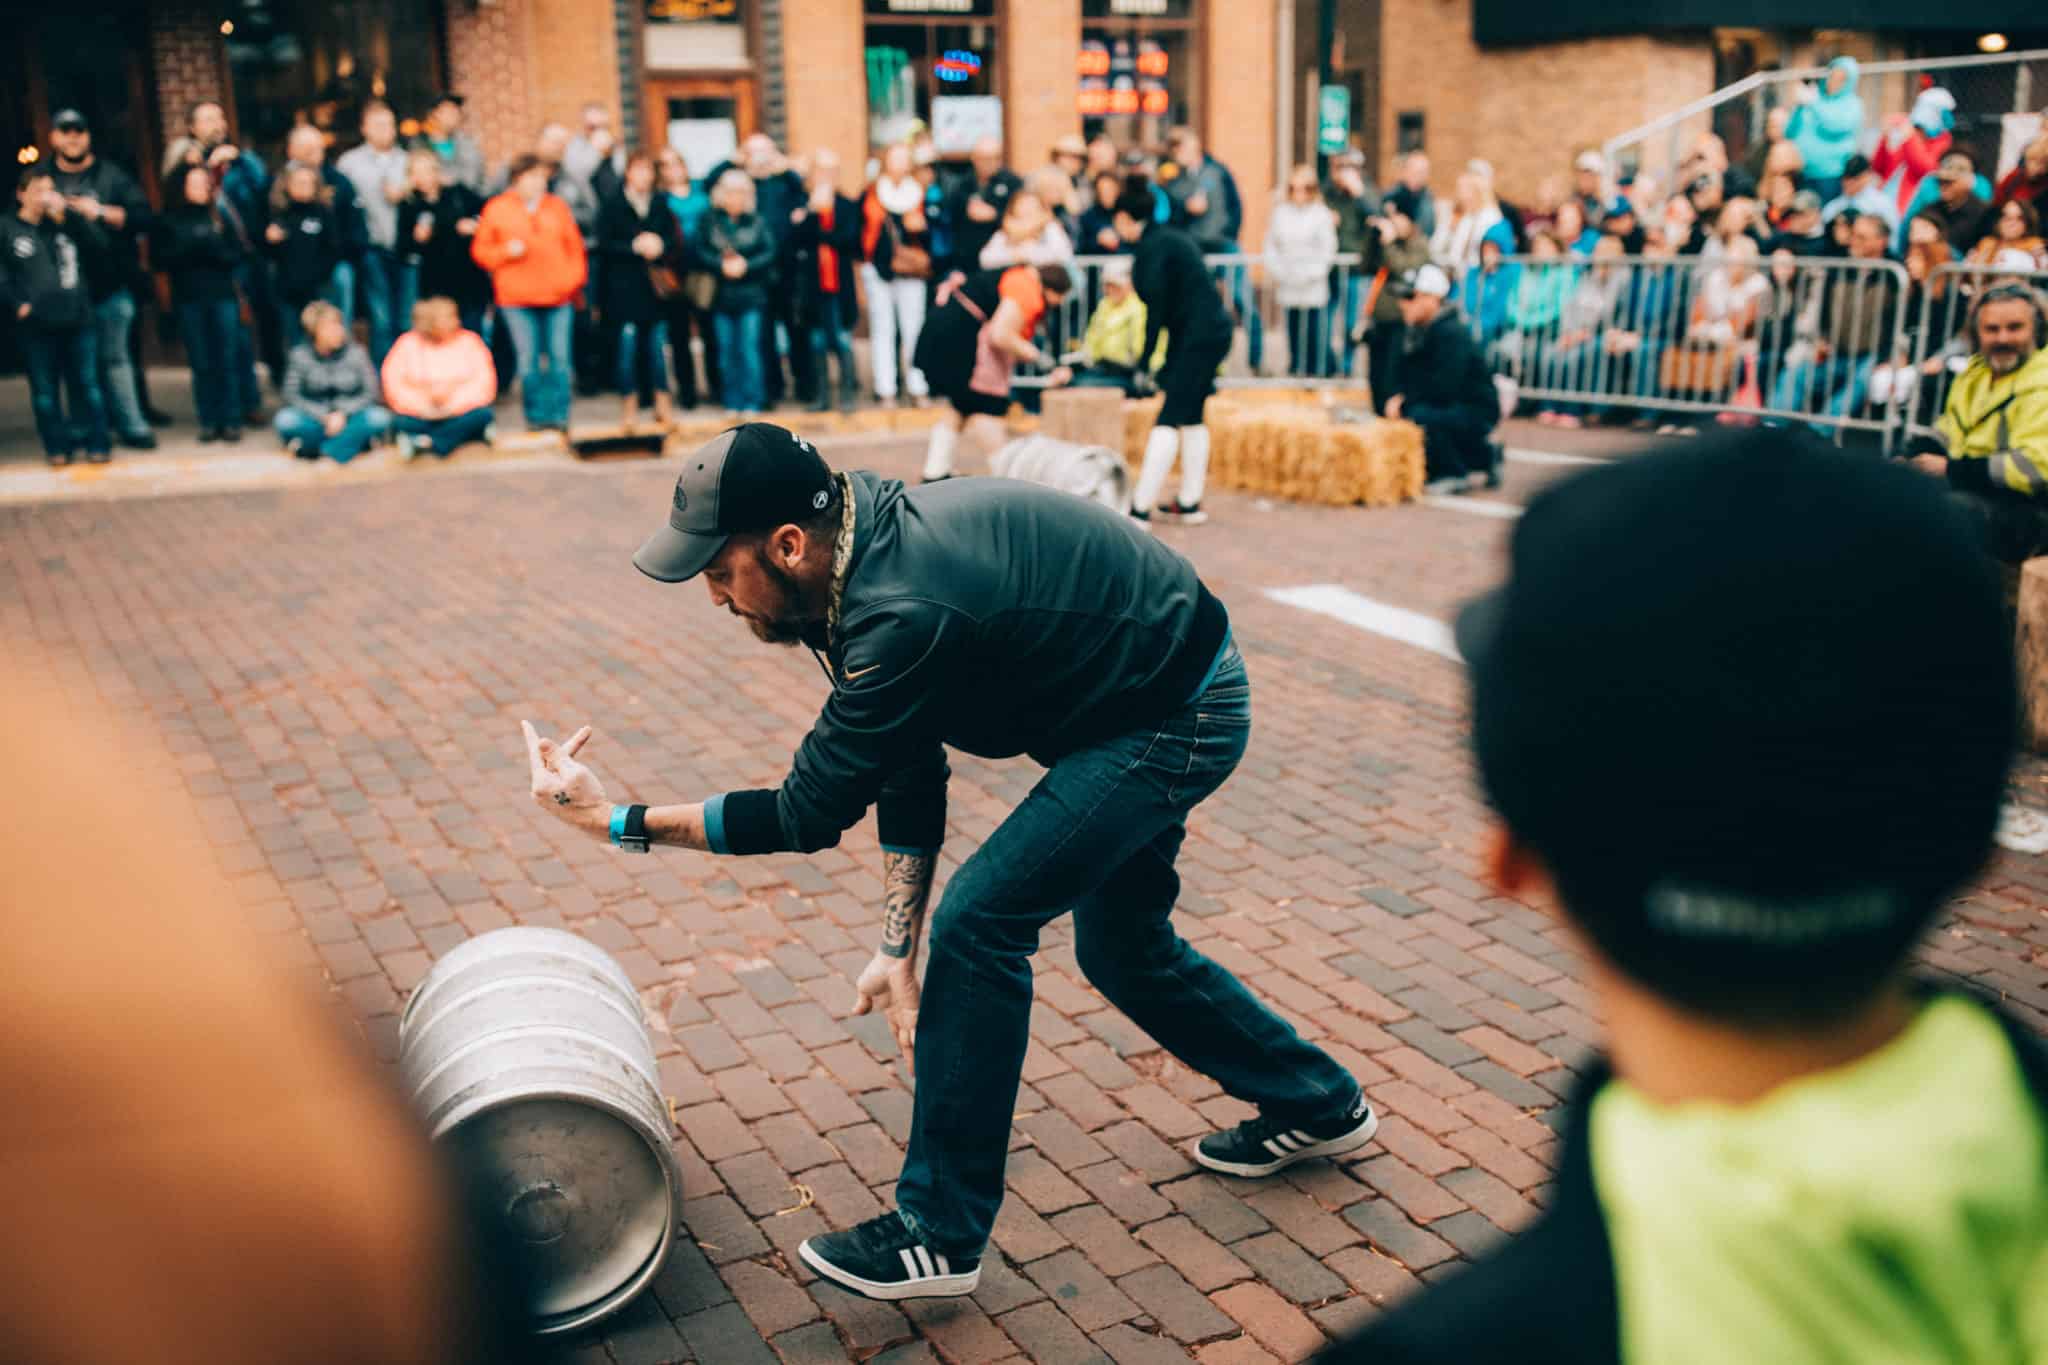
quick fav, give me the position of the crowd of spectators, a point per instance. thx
(581, 268)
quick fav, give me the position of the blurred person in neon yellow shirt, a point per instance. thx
(1744, 712)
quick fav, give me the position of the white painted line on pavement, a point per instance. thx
(1354, 609)
(1521, 456)
(1478, 507)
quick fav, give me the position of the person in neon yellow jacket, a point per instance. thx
(1993, 433)
(1116, 333)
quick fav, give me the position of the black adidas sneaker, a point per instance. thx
(883, 1259)
(1261, 1146)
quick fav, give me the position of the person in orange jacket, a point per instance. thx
(529, 243)
(439, 382)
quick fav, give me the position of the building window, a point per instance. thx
(1137, 68)
(932, 62)
(294, 62)
(695, 35)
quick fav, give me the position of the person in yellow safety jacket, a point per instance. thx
(1992, 440)
(1116, 334)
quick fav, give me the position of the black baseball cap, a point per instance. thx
(749, 478)
(70, 120)
(1753, 704)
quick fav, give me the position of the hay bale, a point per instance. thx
(1294, 451)
(1088, 416)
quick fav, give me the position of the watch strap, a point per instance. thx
(633, 830)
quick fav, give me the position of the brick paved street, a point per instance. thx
(339, 673)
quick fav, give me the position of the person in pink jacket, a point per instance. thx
(439, 382)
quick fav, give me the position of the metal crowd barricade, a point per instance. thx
(1274, 343)
(1939, 345)
(1694, 337)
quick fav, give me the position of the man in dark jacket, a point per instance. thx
(1790, 1152)
(43, 292)
(974, 211)
(100, 193)
(1181, 300)
(1085, 644)
(1441, 383)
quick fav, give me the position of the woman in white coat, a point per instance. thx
(1301, 244)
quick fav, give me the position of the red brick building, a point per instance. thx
(1456, 77)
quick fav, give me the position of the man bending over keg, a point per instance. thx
(1002, 619)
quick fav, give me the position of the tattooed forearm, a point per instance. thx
(906, 886)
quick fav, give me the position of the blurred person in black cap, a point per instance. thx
(43, 295)
(462, 160)
(1442, 384)
(1802, 232)
(1619, 221)
(1082, 642)
(1744, 712)
(97, 191)
(1861, 192)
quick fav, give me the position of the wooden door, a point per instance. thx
(700, 116)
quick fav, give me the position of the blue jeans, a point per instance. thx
(1836, 386)
(541, 336)
(1097, 836)
(829, 337)
(444, 434)
(65, 361)
(744, 385)
(363, 426)
(384, 299)
(643, 359)
(1308, 343)
(217, 349)
(113, 319)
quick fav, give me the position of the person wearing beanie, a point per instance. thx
(1913, 146)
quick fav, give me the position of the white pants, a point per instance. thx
(895, 317)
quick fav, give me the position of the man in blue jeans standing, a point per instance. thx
(1001, 619)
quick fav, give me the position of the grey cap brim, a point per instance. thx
(672, 556)
(1478, 626)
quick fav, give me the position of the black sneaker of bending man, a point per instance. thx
(883, 1259)
(1261, 1145)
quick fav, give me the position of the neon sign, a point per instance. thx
(956, 65)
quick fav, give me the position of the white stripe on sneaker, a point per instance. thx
(1289, 1142)
(1273, 1146)
(944, 1267)
(924, 1258)
(1303, 1139)
(909, 1265)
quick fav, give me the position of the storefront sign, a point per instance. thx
(693, 11)
(960, 121)
(978, 8)
(1333, 119)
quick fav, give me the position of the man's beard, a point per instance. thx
(2003, 360)
(787, 626)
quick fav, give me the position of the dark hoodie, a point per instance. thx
(311, 247)
(41, 266)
